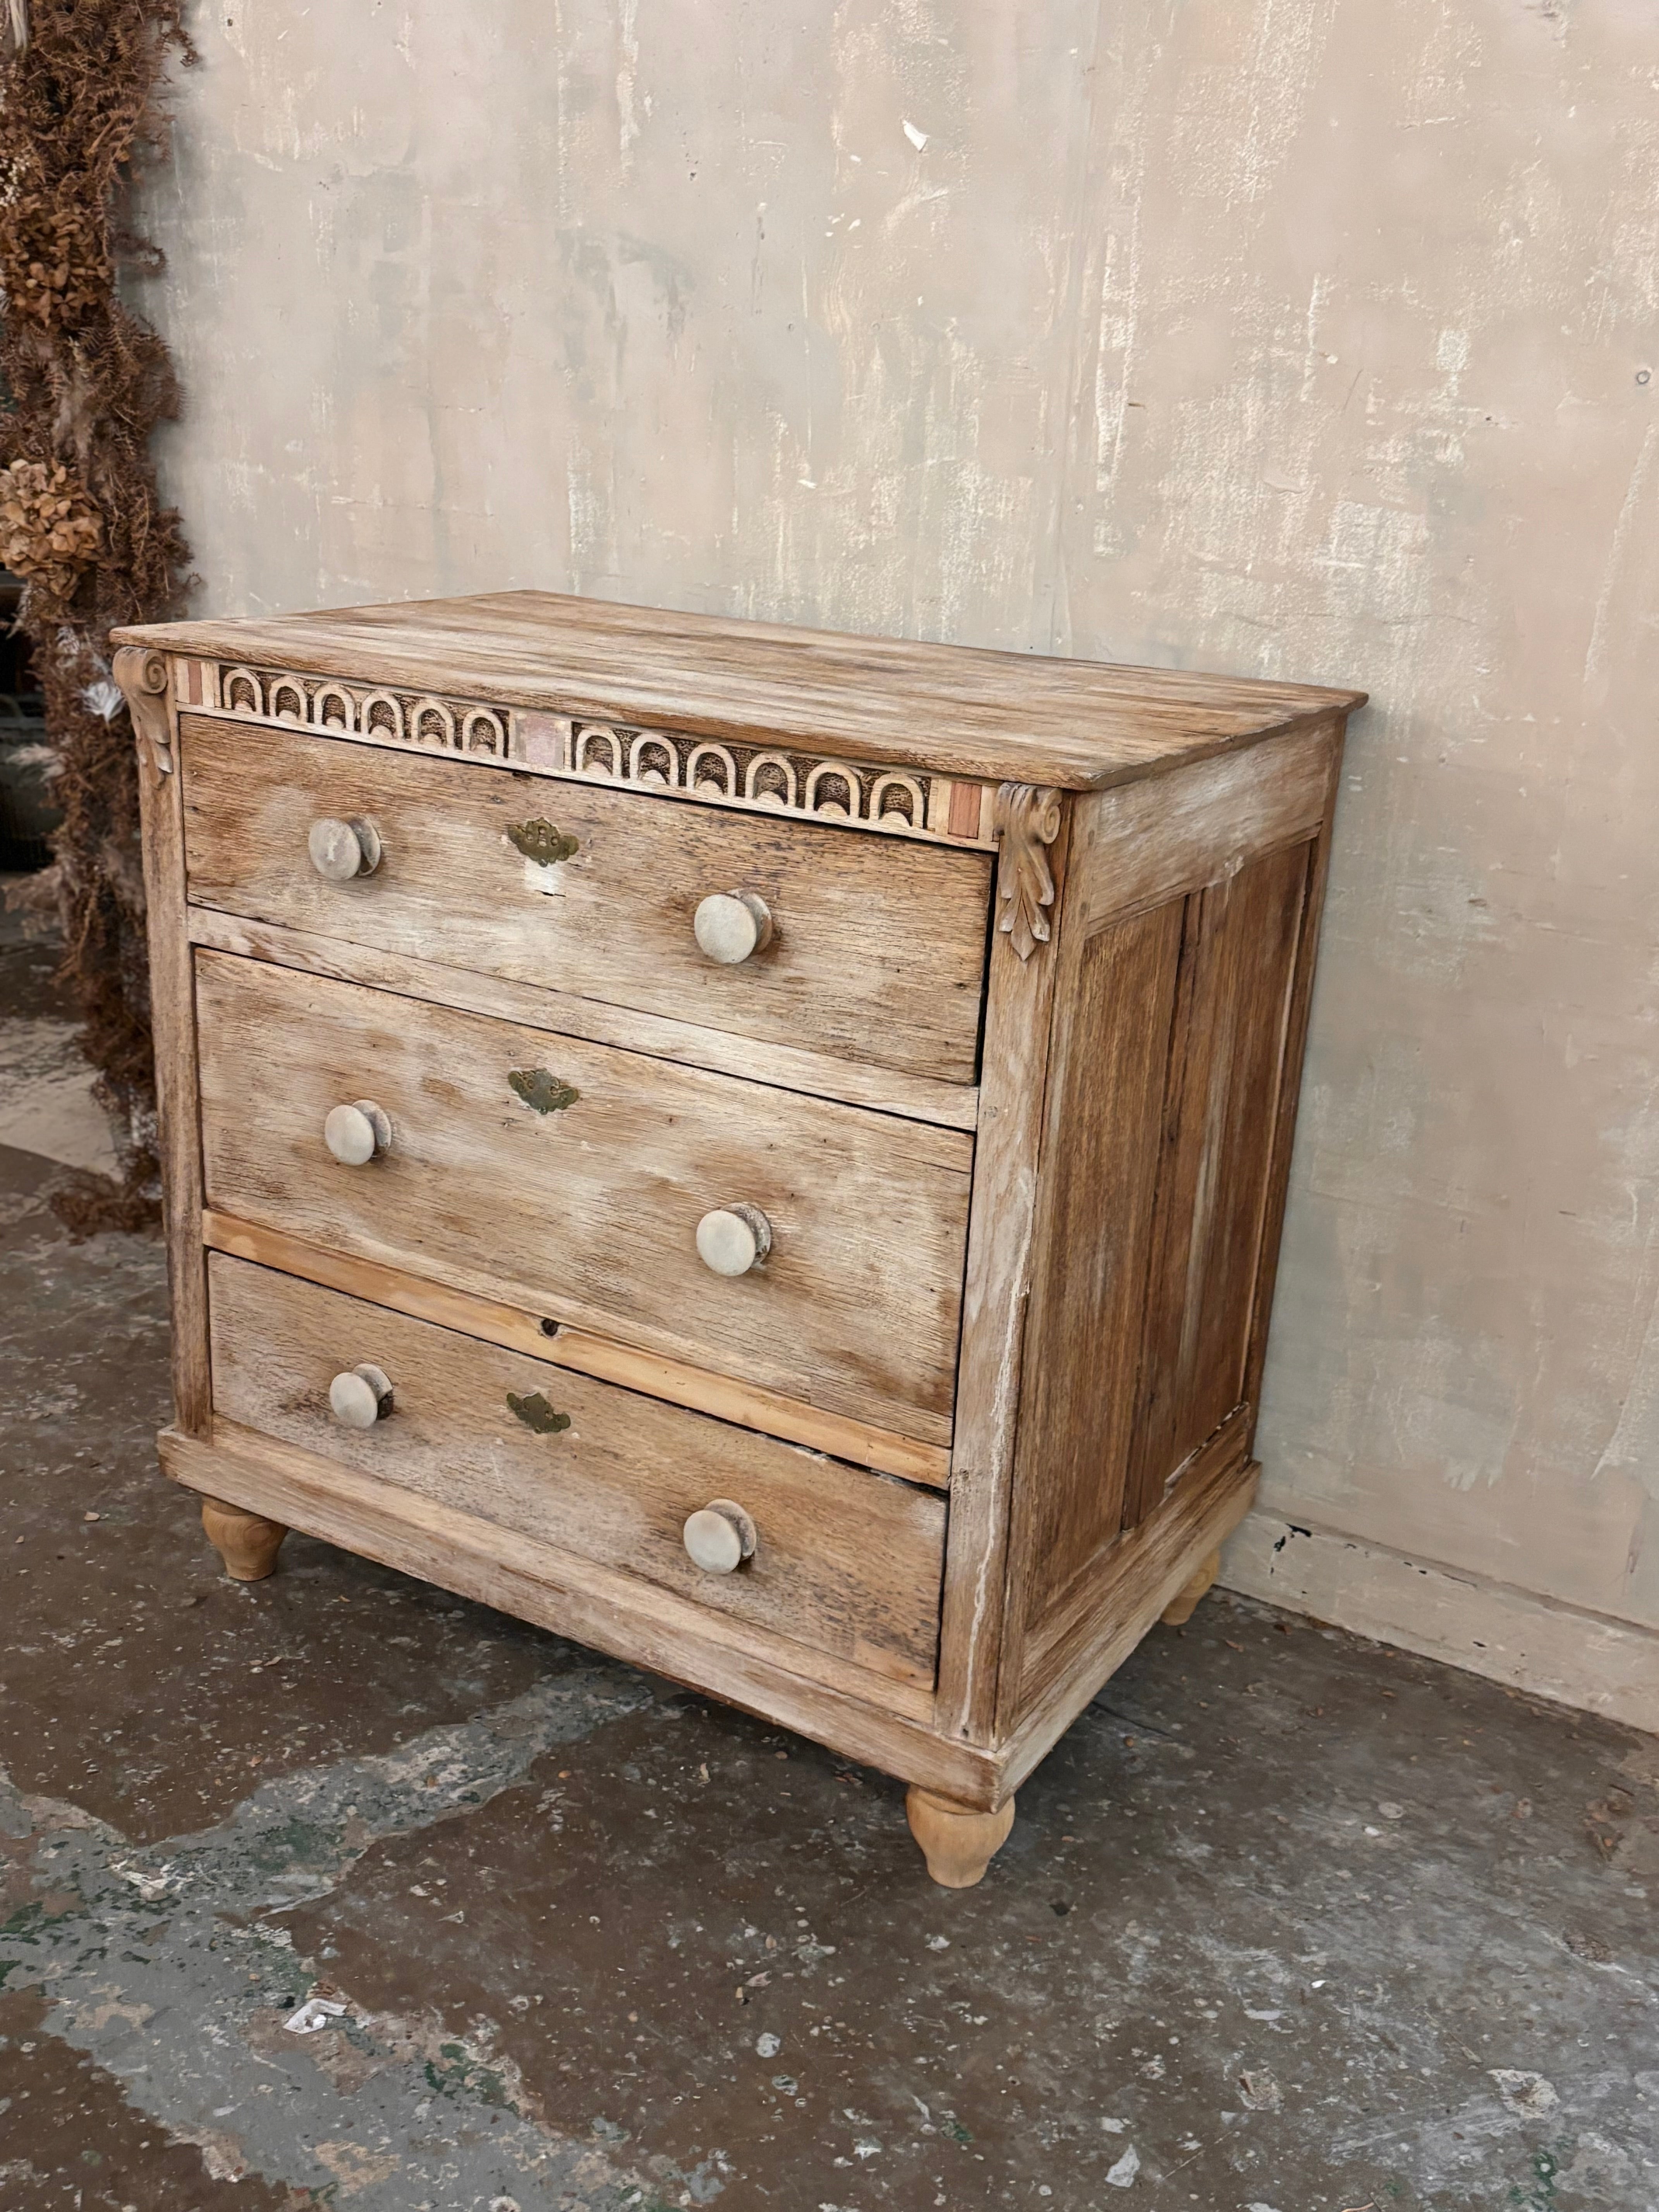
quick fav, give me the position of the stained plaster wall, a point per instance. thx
(1308, 338)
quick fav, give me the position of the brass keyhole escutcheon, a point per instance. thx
(541, 1089)
(541, 841)
(536, 1413)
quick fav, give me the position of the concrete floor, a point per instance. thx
(1288, 1922)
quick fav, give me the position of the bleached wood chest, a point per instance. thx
(761, 1151)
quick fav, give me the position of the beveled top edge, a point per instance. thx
(967, 711)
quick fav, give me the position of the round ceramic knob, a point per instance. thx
(730, 925)
(355, 1133)
(360, 1397)
(720, 1537)
(341, 850)
(732, 1238)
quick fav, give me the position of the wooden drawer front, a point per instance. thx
(847, 1562)
(878, 947)
(588, 1212)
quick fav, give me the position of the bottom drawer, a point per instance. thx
(846, 1561)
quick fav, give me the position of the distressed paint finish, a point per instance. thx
(1309, 340)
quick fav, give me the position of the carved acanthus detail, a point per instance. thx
(142, 674)
(1028, 823)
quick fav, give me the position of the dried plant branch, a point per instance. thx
(81, 518)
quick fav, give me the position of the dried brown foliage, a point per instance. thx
(81, 519)
(50, 530)
(54, 260)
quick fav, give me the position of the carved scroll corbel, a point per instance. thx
(142, 674)
(1027, 822)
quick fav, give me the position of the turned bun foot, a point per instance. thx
(246, 1542)
(1181, 1607)
(957, 1843)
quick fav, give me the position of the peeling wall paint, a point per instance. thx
(1312, 339)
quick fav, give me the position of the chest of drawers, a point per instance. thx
(761, 1151)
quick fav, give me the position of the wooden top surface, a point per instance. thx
(957, 710)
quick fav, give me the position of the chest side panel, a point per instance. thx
(1187, 930)
(1220, 1096)
(1107, 1083)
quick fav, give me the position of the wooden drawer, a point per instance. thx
(845, 1562)
(588, 1213)
(878, 947)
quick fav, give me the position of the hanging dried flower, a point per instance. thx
(54, 258)
(50, 530)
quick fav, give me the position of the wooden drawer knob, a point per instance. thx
(341, 850)
(360, 1397)
(732, 1238)
(720, 1537)
(355, 1133)
(730, 925)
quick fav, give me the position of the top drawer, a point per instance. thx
(877, 951)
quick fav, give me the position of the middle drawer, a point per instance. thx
(569, 1179)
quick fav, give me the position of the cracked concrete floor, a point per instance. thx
(1288, 1923)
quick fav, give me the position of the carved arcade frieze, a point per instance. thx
(772, 779)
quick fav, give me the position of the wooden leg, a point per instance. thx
(246, 1542)
(1181, 1608)
(957, 1843)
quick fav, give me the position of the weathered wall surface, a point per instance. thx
(1309, 338)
